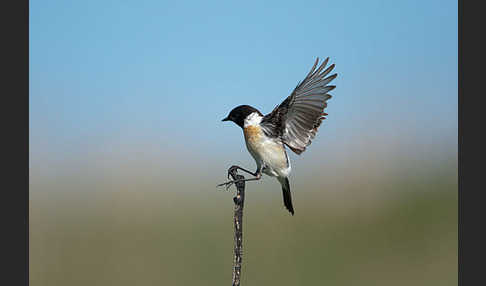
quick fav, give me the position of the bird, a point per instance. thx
(292, 124)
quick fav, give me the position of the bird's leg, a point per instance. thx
(257, 174)
(234, 168)
(229, 183)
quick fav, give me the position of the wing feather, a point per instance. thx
(297, 119)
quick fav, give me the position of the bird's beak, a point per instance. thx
(225, 119)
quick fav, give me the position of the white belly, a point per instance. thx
(269, 154)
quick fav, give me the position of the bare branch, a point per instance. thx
(239, 201)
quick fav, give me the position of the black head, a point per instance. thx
(239, 113)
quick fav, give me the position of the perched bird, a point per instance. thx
(293, 123)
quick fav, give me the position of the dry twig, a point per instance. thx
(239, 201)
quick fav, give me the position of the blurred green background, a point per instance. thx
(127, 143)
(126, 224)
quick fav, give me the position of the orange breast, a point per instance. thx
(252, 133)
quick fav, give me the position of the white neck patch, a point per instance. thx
(253, 119)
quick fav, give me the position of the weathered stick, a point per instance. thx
(239, 201)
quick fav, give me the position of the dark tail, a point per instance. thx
(287, 197)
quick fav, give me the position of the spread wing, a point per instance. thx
(298, 117)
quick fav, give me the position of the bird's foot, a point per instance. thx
(237, 179)
(232, 171)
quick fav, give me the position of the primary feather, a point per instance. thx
(296, 120)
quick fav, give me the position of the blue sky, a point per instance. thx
(167, 72)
